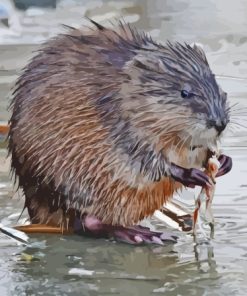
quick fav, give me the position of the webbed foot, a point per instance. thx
(136, 235)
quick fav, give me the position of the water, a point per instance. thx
(80, 266)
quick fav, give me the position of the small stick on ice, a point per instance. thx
(206, 195)
(15, 234)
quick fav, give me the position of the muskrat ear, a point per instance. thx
(150, 64)
(199, 49)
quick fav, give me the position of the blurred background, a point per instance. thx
(76, 266)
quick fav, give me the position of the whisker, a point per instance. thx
(241, 108)
(193, 128)
(238, 114)
(234, 122)
(169, 126)
(237, 117)
(238, 110)
(179, 142)
(233, 105)
(184, 142)
(232, 130)
(233, 127)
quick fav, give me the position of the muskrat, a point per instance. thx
(107, 124)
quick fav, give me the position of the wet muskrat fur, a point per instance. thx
(109, 124)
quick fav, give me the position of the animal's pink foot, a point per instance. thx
(91, 226)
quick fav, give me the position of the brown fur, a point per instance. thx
(62, 148)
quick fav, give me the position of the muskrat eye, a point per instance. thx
(186, 94)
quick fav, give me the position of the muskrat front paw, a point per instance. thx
(190, 177)
(225, 165)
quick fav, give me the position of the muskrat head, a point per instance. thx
(175, 96)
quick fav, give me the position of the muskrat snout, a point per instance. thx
(219, 124)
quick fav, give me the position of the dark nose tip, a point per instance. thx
(219, 125)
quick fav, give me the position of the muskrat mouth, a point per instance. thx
(195, 147)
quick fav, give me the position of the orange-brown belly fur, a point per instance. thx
(132, 205)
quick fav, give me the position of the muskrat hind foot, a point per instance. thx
(136, 235)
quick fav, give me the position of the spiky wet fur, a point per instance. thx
(97, 119)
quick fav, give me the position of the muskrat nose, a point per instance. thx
(219, 125)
